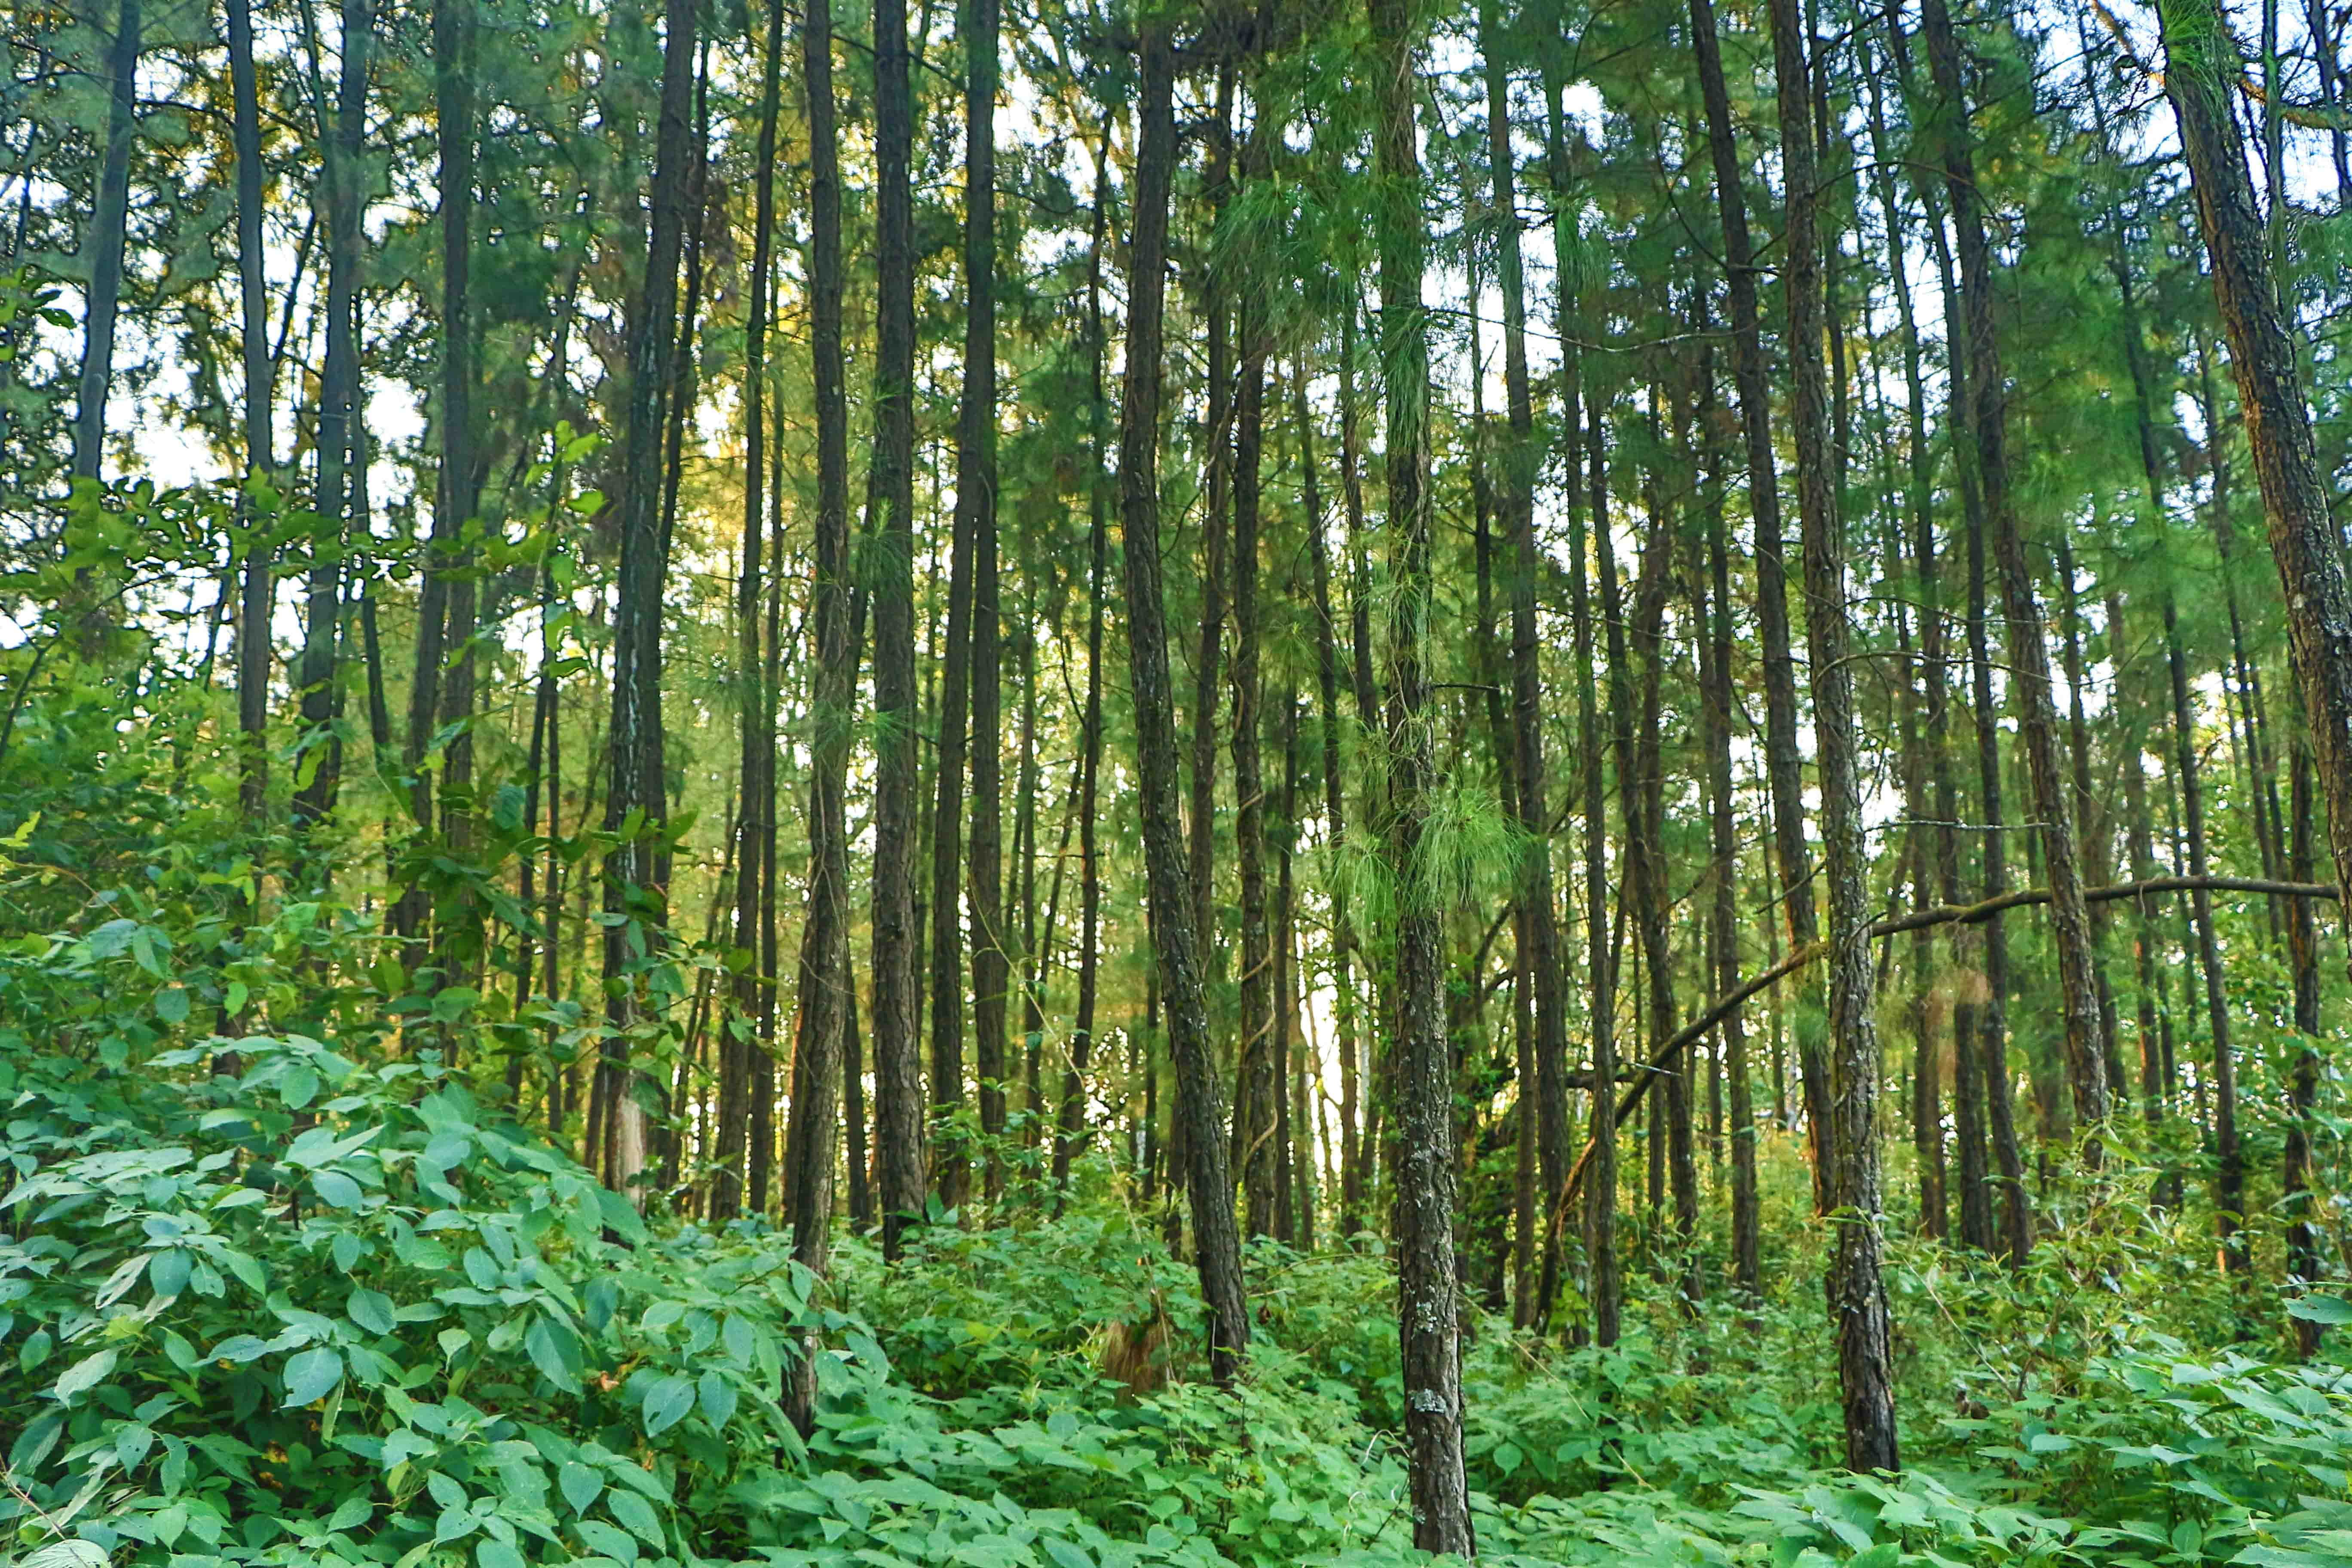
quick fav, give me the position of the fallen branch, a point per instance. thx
(1940, 914)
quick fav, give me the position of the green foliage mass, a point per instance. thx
(316, 1297)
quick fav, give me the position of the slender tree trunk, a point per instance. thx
(2303, 1083)
(1522, 457)
(1216, 308)
(897, 1049)
(2201, 62)
(1071, 1118)
(976, 519)
(1259, 1078)
(824, 984)
(2229, 1160)
(108, 223)
(317, 772)
(257, 601)
(753, 986)
(1604, 1285)
(2029, 654)
(1783, 762)
(1427, 1286)
(1857, 1294)
(1345, 1019)
(1217, 1243)
(1723, 917)
(635, 889)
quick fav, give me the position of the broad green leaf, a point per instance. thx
(717, 1399)
(546, 1349)
(311, 1375)
(639, 1515)
(667, 1403)
(335, 1189)
(579, 1484)
(371, 1311)
(84, 1374)
(2319, 1309)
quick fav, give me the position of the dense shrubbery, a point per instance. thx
(312, 1297)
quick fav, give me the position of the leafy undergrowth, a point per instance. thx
(315, 1297)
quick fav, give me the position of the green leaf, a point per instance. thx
(354, 1511)
(85, 1374)
(612, 1543)
(336, 1190)
(667, 1403)
(639, 1515)
(546, 1350)
(171, 1004)
(371, 1311)
(2316, 1308)
(298, 1088)
(67, 1555)
(168, 1275)
(492, 1553)
(717, 1399)
(579, 1484)
(311, 1375)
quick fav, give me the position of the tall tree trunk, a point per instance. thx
(1522, 457)
(976, 521)
(318, 771)
(898, 1048)
(1070, 1121)
(1857, 1293)
(1935, 686)
(2029, 654)
(1784, 764)
(2202, 62)
(753, 986)
(2229, 1160)
(110, 220)
(1723, 915)
(1216, 308)
(1258, 1080)
(2303, 1082)
(825, 982)
(1427, 1286)
(1217, 1243)
(257, 601)
(1604, 1286)
(634, 886)
(1345, 1019)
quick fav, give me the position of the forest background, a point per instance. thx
(1173, 783)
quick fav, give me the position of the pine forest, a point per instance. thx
(1100, 782)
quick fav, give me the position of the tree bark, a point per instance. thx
(753, 991)
(897, 1049)
(1427, 1304)
(110, 221)
(825, 982)
(976, 519)
(1071, 1118)
(318, 771)
(1857, 1293)
(257, 600)
(2229, 1160)
(1345, 1007)
(1217, 1243)
(1522, 457)
(2029, 653)
(2202, 61)
(638, 796)
(1784, 764)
